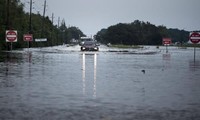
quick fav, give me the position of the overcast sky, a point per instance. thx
(92, 15)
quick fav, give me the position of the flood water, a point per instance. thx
(66, 84)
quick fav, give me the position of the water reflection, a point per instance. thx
(194, 65)
(10, 62)
(95, 74)
(167, 57)
(29, 56)
(84, 73)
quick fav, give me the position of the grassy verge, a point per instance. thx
(190, 45)
(126, 46)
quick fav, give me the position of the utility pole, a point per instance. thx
(8, 14)
(7, 22)
(52, 30)
(30, 18)
(44, 9)
(52, 17)
(58, 22)
(30, 22)
(43, 18)
(58, 30)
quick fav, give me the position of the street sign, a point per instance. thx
(195, 37)
(28, 37)
(167, 41)
(11, 36)
(41, 40)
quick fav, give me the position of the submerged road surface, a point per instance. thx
(62, 83)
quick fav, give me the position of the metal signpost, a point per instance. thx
(195, 39)
(11, 36)
(28, 38)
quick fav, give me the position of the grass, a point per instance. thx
(127, 46)
(190, 45)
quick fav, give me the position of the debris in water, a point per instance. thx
(143, 71)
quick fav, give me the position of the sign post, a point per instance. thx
(167, 42)
(195, 39)
(28, 38)
(11, 36)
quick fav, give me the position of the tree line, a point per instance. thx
(13, 17)
(140, 33)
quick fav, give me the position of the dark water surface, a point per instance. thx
(73, 85)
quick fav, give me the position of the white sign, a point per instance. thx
(11, 36)
(195, 37)
(41, 40)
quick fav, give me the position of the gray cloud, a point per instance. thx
(93, 15)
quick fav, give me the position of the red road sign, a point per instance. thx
(167, 41)
(28, 37)
(11, 36)
(195, 37)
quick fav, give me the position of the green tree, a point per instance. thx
(42, 27)
(177, 35)
(135, 33)
(2, 23)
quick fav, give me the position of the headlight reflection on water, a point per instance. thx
(84, 74)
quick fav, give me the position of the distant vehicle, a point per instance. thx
(89, 46)
(83, 39)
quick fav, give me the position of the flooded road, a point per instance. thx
(62, 83)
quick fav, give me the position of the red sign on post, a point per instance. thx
(11, 36)
(195, 37)
(167, 41)
(28, 37)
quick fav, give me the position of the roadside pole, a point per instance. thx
(11, 36)
(166, 48)
(28, 38)
(167, 42)
(28, 45)
(194, 53)
(30, 23)
(195, 39)
(11, 46)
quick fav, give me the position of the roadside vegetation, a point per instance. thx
(140, 33)
(188, 45)
(126, 46)
(13, 17)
